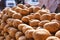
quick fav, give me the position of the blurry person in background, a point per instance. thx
(52, 5)
(2, 4)
(20, 1)
(43, 3)
(32, 2)
(58, 9)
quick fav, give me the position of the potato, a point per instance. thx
(54, 20)
(13, 39)
(37, 16)
(10, 12)
(57, 34)
(2, 32)
(24, 12)
(22, 38)
(5, 29)
(25, 19)
(21, 6)
(31, 39)
(57, 16)
(17, 16)
(18, 34)
(20, 26)
(34, 23)
(12, 31)
(2, 25)
(41, 23)
(1, 14)
(1, 37)
(16, 22)
(31, 9)
(29, 33)
(25, 28)
(35, 9)
(8, 37)
(10, 21)
(53, 15)
(0, 21)
(42, 12)
(45, 17)
(52, 26)
(5, 34)
(18, 9)
(5, 17)
(5, 11)
(52, 38)
(41, 34)
(31, 17)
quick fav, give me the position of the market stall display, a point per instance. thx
(29, 23)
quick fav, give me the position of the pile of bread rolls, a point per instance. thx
(26, 22)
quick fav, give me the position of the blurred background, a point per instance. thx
(11, 3)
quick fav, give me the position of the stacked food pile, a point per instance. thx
(25, 22)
